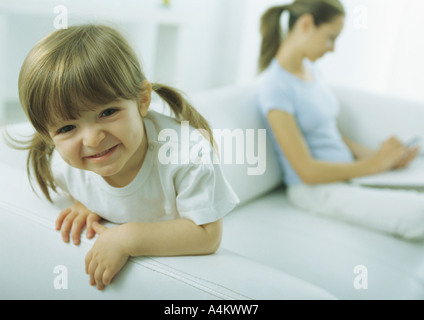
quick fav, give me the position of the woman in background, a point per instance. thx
(302, 114)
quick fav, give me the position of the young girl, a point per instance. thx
(302, 114)
(83, 90)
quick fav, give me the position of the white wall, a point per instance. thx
(407, 72)
(191, 44)
(380, 48)
(179, 44)
(199, 44)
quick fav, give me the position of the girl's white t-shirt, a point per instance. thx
(178, 179)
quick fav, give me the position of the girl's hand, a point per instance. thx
(107, 257)
(73, 219)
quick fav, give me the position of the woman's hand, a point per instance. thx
(393, 155)
(107, 257)
(409, 156)
(73, 219)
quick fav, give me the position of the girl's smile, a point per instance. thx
(109, 140)
(102, 156)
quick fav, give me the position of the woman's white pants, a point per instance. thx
(398, 212)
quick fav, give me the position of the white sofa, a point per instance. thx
(270, 250)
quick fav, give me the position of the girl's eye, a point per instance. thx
(66, 129)
(108, 112)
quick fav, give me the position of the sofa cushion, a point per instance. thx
(324, 251)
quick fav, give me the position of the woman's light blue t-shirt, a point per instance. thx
(315, 109)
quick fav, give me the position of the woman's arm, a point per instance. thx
(114, 246)
(359, 151)
(314, 171)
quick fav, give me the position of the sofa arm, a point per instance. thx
(36, 264)
(370, 118)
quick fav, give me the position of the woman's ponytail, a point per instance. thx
(271, 35)
(321, 10)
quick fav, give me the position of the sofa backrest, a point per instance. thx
(232, 113)
(371, 118)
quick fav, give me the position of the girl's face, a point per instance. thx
(321, 39)
(110, 141)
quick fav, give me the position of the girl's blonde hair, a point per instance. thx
(322, 11)
(72, 70)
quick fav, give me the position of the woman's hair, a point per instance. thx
(73, 70)
(322, 11)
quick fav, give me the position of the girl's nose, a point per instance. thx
(93, 136)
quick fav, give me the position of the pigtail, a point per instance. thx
(271, 35)
(38, 161)
(183, 110)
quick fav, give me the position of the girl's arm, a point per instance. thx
(115, 245)
(314, 171)
(172, 238)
